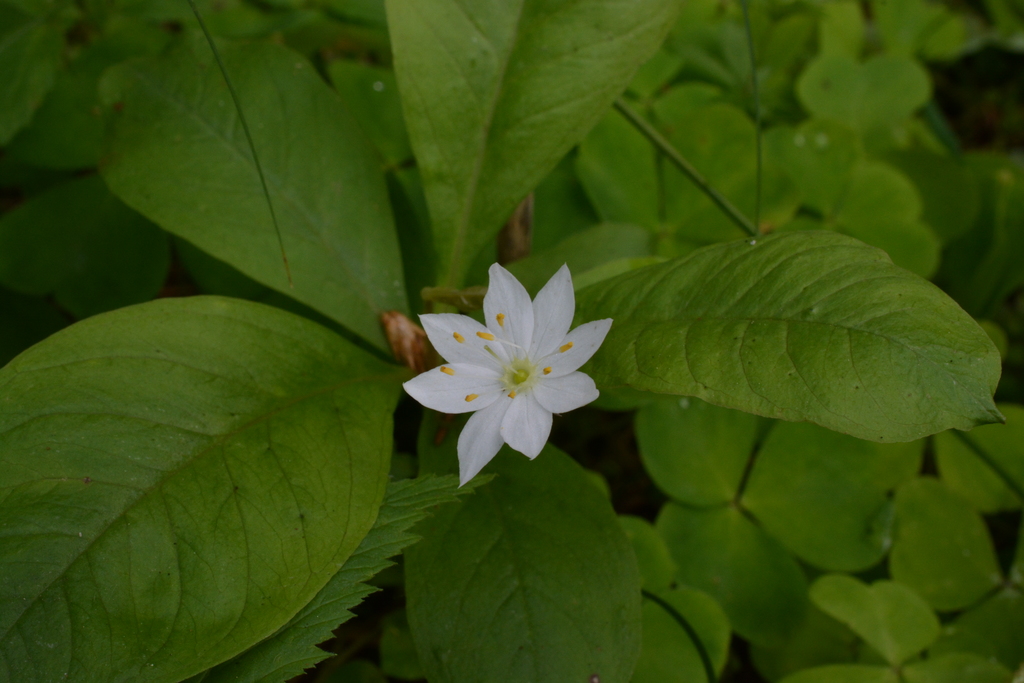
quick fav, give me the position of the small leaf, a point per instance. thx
(495, 94)
(180, 478)
(668, 654)
(889, 616)
(946, 188)
(695, 452)
(942, 548)
(30, 51)
(956, 668)
(991, 629)
(844, 673)
(826, 495)
(818, 641)
(720, 551)
(178, 155)
(657, 568)
(802, 326)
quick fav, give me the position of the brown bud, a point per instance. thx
(407, 339)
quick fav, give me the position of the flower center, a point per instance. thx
(520, 375)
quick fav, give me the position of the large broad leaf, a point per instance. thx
(496, 93)
(530, 579)
(178, 480)
(802, 326)
(178, 155)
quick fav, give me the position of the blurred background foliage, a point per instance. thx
(797, 553)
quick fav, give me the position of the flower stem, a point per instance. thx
(705, 659)
(666, 148)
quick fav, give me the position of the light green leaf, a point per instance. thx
(25, 320)
(285, 654)
(80, 243)
(968, 473)
(802, 326)
(818, 641)
(890, 617)
(582, 252)
(657, 568)
(371, 94)
(956, 668)
(826, 495)
(495, 94)
(30, 51)
(992, 630)
(179, 156)
(841, 28)
(844, 673)
(720, 551)
(883, 91)
(668, 654)
(695, 452)
(180, 478)
(617, 166)
(530, 579)
(942, 548)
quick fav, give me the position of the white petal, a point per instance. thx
(585, 340)
(507, 298)
(448, 393)
(441, 329)
(552, 313)
(569, 392)
(480, 440)
(526, 426)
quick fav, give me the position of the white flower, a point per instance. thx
(515, 372)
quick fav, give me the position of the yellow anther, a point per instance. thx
(547, 371)
(563, 349)
(471, 397)
(501, 319)
(485, 335)
(447, 371)
(458, 337)
(512, 394)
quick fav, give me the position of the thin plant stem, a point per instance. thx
(673, 155)
(705, 659)
(755, 91)
(248, 137)
(984, 456)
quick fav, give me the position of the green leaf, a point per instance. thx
(956, 668)
(818, 641)
(992, 630)
(560, 207)
(79, 242)
(826, 495)
(695, 452)
(180, 478)
(948, 192)
(890, 617)
(530, 579)
(179, 156)
(881, 92)
(293, 648)
(802, 326)
(657, 568)
(841, 29)
(495, 94)
(844, 673)
(371, 94)
(25, 320)
(910, 27)
(30, 51)
(668, 654)
(720, 551)
(583, 252)
(967, 473)
(942, 548)
(618, 168)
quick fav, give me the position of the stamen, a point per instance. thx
(485, 335)
(447, 371)
(512, 394)
(547, 371)
(562, 349)
(489, 350)
(458, 337)
(501, 319)
(470, 397)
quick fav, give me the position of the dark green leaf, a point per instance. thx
(25, 320)
(956, 668)
(179, 479)
(720, 551)
(178, 155)
(844, 673)
(371, 95)
(992, 629)
(657, 568)
(495, 94)
(397, 652)
(950, 196)
(30, 50)
(800, 326)
(82, 244)
(668, 654)
(818, 641)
